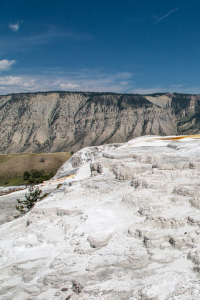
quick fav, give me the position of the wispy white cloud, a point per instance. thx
(5, 64)
(48, 37)
(147, 91)
(83, 80)
(68, 86)
(123, 83)
(173, 10)
(186, 90)
(14, 27)
(176, 85)
(10, 81)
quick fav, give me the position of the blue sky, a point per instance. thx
(103, 45)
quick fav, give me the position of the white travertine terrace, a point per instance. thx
(125, 224)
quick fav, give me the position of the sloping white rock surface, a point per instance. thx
(125, 226)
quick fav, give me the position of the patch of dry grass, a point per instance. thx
(12, 166)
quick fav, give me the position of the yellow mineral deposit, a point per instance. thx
(193, 136)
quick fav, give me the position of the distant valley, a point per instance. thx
(68, 121)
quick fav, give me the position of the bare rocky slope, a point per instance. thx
(65, 121)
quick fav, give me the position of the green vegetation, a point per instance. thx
(187, 119)
(122, 101)
(31, 198)
(59, 185)
(44, 196)
(134, 101)
(179, 103)
(189, 124)
(26, 168)
(36, 176)
(156, 94)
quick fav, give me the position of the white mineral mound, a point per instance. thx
(125, 224)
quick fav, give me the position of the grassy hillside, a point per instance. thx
(13, 166)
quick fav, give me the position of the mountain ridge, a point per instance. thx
(68, 121)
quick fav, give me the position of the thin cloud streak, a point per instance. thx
(173, 10)
(24, 43)
(48, 36)
(186, 90)
(176, 85)
(142, 91)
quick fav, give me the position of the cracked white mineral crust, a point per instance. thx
(125, 224)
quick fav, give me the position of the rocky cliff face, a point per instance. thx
(65, 121)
